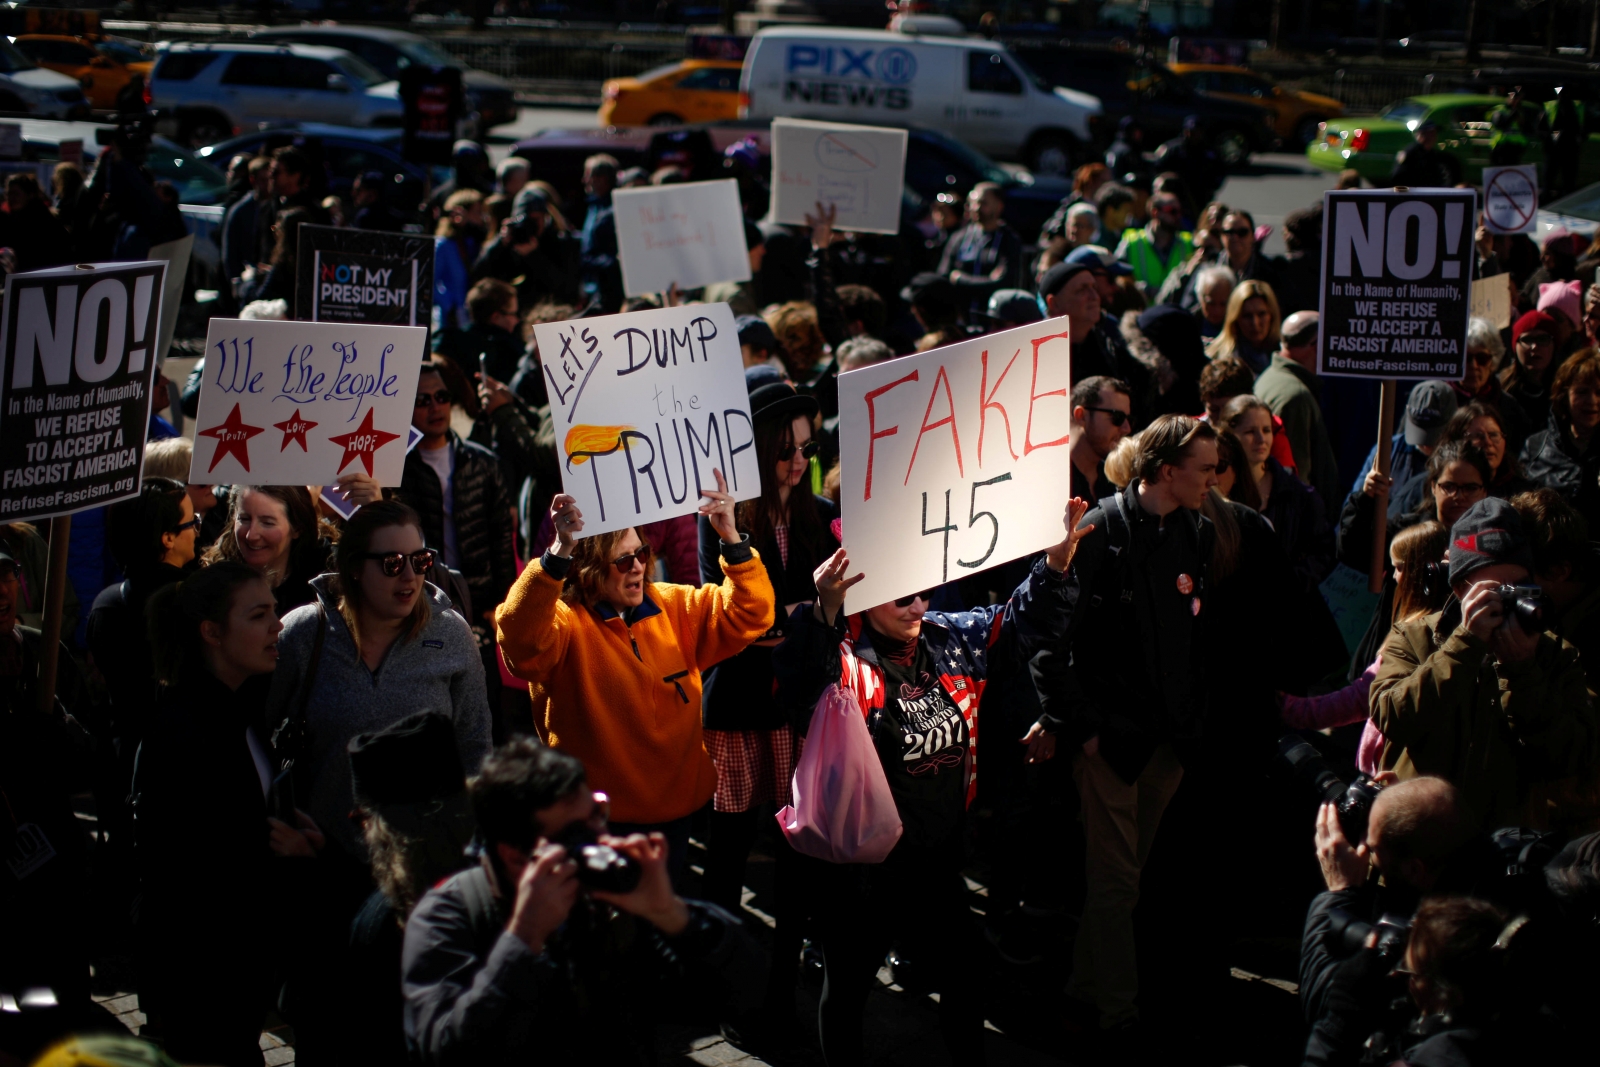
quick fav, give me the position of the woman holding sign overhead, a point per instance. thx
(614, 660)
(919, 677)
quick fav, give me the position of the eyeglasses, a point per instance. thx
(441, 397)
(1478, 355)
(1486, 435)
(192, 524)
(1460, 488)
(393, 562)
(1536, 339)
(905, 601)
(1117, 417)
(1237, 231)
(809, 449)
(641, 555)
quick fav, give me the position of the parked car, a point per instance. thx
(1577, 212)
(935, 163)
(970, 87)
(101, 66)
(1296, 114)
(392, 51)
(693, 90)
(1127, 84)
(28, 89)
(1369, 143)
(344, 154)
(213, 91)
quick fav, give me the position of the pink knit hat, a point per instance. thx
(1563, 297)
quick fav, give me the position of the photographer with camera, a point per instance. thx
(130, 217)
(1479, 694)
(564, 939)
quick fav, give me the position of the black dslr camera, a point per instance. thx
(1348, 934)
(599, 866)
(131, 135)
(1354, 800)
(1526, 604)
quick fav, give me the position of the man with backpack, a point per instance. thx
(1125, 686)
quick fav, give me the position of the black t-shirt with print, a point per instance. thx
(922, 741)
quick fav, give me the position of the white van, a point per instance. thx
(970, 88)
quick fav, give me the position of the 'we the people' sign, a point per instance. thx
(646, 405)
(954, 460)
(300, 403)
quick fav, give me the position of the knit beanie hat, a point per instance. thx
(1490, 532)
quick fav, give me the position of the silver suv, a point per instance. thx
(213, 91)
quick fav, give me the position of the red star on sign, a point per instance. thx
(232, 436)
(294, 429)
(362, 442)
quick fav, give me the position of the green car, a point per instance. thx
(1368, 144)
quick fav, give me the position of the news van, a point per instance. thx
(970, 88)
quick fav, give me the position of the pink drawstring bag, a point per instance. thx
(842, 809)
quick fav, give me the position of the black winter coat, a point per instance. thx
(120, 647)
(1295, 511)
(737, 693)
(485, 529)
(1552, 459)
(1135, 694)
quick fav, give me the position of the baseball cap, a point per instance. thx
(754, 331)
(1098, 258)
(1013, 305)
(1427, 410)
(1490, 532)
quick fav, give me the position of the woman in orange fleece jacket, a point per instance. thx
(614, 661)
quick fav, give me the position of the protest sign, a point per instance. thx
(690, 234)
(858, 169)
(1510, 199)
(1493, 299)
(646, 405)
(1396, 270)
(75, 386)
(954, 460)
(300, 403)
(368, 276)
(339, 501)
(176, 255)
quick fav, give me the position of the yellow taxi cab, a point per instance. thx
(1297, 114)
(102, 65)
(693, 90)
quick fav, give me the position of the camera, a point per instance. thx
(131, 135)
(1348, 934)
(1353, 800)
(1526, 604)
(599, 866)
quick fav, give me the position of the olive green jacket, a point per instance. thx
(1494, 730)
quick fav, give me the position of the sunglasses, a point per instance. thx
(808, 450)
(441, 397)
(1117, 417)
(905, 602)
(394, 562)
(1238, 231)
(641, 555)
(1479, 356)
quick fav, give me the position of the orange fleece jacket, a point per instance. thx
(626, 700)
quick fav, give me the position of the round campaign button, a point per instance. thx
(1185, 584)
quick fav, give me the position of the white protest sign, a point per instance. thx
(300, 403)
(690, 234)
(858, 169)
(646, 405)
(954, 460)
(1510, 198)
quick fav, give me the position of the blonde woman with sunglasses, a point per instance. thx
(613, 660)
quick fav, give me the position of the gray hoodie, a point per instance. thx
(439, 670)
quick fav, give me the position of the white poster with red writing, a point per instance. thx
(300, 403)
(954, 460)
(686, 235)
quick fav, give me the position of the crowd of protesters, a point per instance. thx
(377, 773)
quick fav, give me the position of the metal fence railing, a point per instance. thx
(549, 64)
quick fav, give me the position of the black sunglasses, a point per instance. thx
(441, 397)
(1117, 417)
(393, 562)
(808, 450)
(905, 602)
(624, 564)
(1237, 231)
